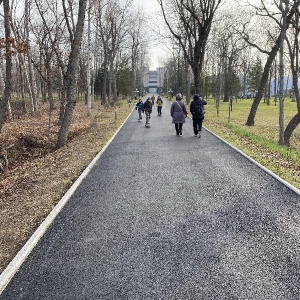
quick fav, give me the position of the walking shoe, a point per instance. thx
(180, 132)
(199, 134)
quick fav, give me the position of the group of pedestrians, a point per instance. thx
(146, 108)
(178, 112)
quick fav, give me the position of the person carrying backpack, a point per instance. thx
(140, 107)
(197, 111)
(159, 104)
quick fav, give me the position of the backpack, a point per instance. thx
(198, 108)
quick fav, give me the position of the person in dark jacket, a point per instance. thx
(148, 111)
(178, 113)
(197, 111)
(140, 107)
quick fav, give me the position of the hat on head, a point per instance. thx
(178, 96)
(196, 97)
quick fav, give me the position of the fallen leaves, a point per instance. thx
(37, 178)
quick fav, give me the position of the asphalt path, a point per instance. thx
(161, 216)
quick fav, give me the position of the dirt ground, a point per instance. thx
(37, 176)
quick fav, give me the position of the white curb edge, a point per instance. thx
(17, 261)
(290, 186)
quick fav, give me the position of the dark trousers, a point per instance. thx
(178, 127)
(197, 125)
(159, 110)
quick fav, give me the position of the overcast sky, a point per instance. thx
(150, 7)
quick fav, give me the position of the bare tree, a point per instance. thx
(136, 41)
(194, 23)
(71, 75)
(271, 54)
(113, 26)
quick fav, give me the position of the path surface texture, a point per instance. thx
(161, 216)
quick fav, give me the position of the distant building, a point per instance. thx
(153, 81)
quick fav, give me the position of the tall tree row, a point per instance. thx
(49, 44)
(54, 51)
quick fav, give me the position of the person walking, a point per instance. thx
(159, 104)
(139, 107)
(148, 110)
(153, 99)
(197, 111)
(178, 113)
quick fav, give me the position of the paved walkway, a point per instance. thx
(161, 216)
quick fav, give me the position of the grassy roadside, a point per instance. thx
(260, 141)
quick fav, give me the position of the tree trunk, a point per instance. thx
(110, 80)
(197, 82)
(8, 54)
(62, 100)
(71, 76)
(30, 76)
(263, 82)
(188, 81)
(88, 75)
(295, 121)
(269, 87)
(275, 82)
(2, 83)
(281, 73)
(115, 89)
(104, 80)
(294, 58)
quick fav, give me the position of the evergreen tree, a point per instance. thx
(255, 74)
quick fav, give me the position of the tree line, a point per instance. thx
(227, 49)
(66, 48)
(218, 48)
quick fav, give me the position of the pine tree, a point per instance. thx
(255, 75)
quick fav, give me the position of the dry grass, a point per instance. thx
(36, 179)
